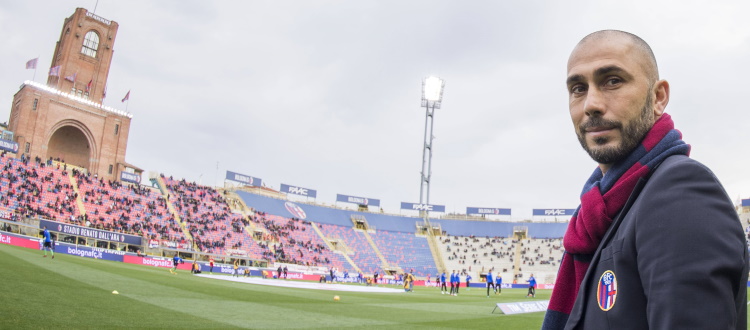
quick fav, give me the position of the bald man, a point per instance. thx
(656, 242)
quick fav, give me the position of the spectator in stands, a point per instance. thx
(645, 187)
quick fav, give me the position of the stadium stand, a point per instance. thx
(297, 242)
(325, 237)
(479, 255)
(128, 208)
(33, 188)
(406, 251)
(211, 223)
(357, 246)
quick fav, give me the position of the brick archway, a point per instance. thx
(72, 141)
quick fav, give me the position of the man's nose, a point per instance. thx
(595, 103)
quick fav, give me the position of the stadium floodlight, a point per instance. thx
(432, 92)
(432, 96)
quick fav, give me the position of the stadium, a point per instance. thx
(117, 230)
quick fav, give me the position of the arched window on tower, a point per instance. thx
(90, 44)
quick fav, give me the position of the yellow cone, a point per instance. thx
(115, 292)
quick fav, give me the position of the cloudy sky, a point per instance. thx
(326, 94)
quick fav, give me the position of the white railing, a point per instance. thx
(98, 18)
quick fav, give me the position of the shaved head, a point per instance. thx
(639, 46)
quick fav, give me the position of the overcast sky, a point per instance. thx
(326, 94)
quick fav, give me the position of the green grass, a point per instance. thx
(75, 292)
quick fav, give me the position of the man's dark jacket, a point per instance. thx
(677, 254)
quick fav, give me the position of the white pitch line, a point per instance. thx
(302, 284)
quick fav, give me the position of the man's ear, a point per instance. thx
(661, 97)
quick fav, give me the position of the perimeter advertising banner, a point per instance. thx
(523, 307)
(89, 252)
(242, 178)
(8, 146)
(289, 189)
(422, 207)
(357, 200)
(553, 212)
(18, 240)
(746, 202)
(156, 262)
(487, 210)
(90, 232)
(6, 215)
(130, 177)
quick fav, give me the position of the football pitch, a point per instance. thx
(75, 292)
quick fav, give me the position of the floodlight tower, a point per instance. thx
(432, 95)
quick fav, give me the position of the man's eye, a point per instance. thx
(613, 81)
(577, 89)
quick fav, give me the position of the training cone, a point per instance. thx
(115, 292)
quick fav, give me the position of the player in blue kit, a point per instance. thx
(498, 284)
(443, 287)
(454, 283)
(176, 260)
(47, 243)
(490, 283)
(532, 286)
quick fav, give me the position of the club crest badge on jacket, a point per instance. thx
(606, 293)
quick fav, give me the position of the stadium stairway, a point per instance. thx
(79, 199)
(437, 255)
(165, 193)
(328, 244)
(384, 263)
(517, 259)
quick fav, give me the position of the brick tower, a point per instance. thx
(65, 118)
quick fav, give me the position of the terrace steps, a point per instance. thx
(175, 214)
(517, 259)
(375, 248)
(437, 254)
(79, 199)
(330, 247)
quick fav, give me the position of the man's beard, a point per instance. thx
(631, 135)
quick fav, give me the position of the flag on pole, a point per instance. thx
(55, 71)
(31, 64)
(72, 78)
(127, 97)
(88, 86)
